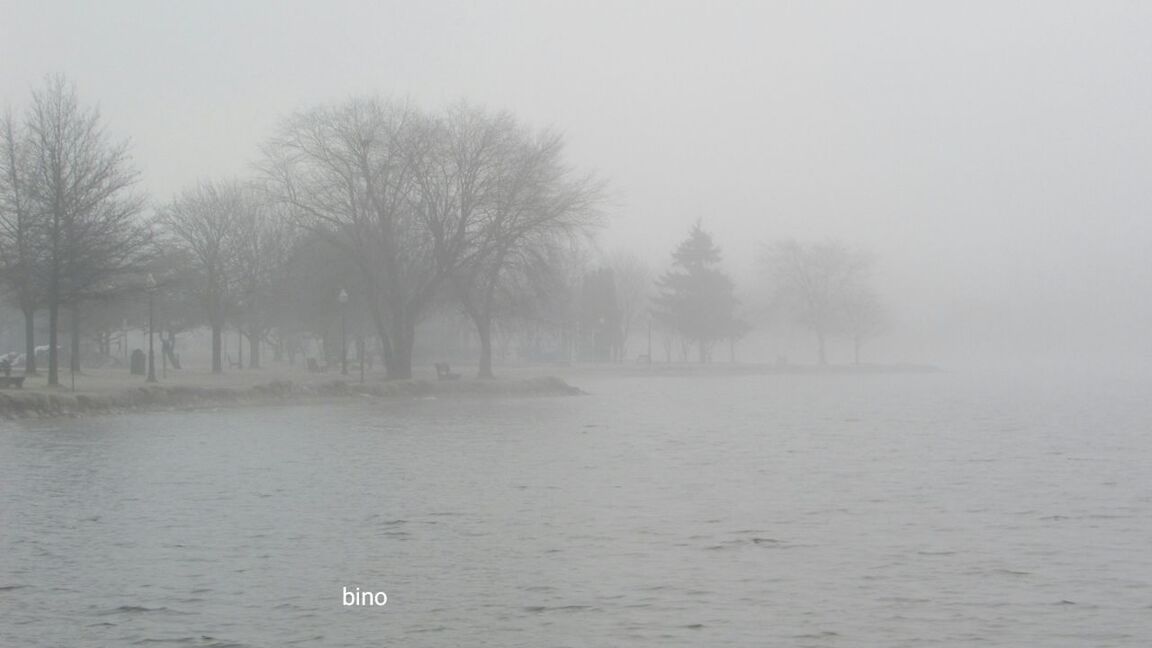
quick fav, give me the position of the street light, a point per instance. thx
(343, 332)
(151, 322)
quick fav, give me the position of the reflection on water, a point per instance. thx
(722, 511)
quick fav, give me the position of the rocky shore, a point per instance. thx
(38, 404)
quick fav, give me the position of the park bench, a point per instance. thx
(11, 381)
(444, 372)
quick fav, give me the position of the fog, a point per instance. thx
(992, 156)
(531, 323)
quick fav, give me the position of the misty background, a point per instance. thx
(993, 157)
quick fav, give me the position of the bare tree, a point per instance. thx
(458, 179)
(633, 278)
(178, 289)
(204, 220)
(348, 174)
(814, 284)
(108, 248)
(536, 207)
(415, 199)
(259, 249)
(21, 248)
(864, 317)
(541, 294)
(81, 184)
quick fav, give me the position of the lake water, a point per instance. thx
(887, 510)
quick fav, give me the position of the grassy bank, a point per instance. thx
(47, 403)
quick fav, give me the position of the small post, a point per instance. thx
(151, 322)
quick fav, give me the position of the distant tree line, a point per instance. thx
(389, 215)
(410, 209)
(825, 288)
(692, 307)
(403, 211)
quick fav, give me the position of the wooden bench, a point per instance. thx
(16, 382)
(444, 372)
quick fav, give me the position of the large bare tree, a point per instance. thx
(349, 174)
(533, 205)
(21, 249)
(416, 199)
(81, 183)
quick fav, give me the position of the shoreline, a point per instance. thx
(750, 369)
(18, 404)
(113, 398)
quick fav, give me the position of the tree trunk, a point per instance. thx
(29, 341)
(385, 349)
(74, 359)
(400, 368)
(820, 347)
(484, 331)
(169, 349)
(856, 349)
(217, 348)
(482, 320)
(239, 348)
(385, 340)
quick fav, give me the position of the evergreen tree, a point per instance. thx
(696, 297)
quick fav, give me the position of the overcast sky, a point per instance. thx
(995, 156)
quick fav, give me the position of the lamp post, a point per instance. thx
(649, 337)
(151, 322)
(343, 332)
